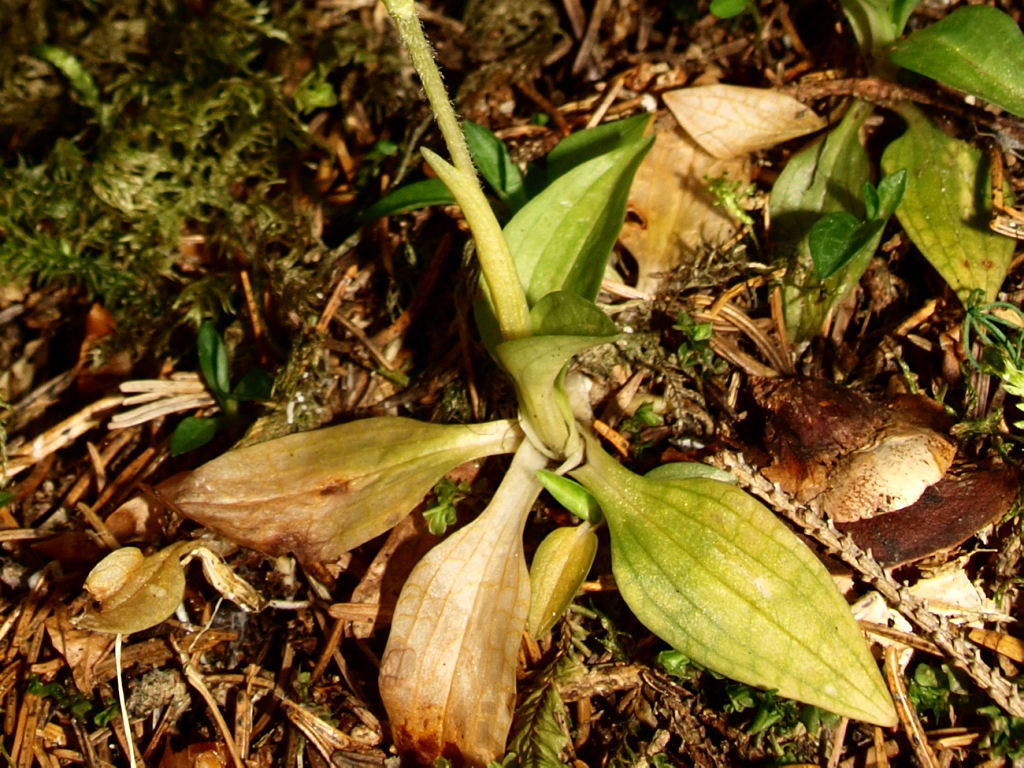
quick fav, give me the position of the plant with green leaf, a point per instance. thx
(700, 562)
(827, 224)
(196, 431)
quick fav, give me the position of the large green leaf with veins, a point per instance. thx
(714, 573)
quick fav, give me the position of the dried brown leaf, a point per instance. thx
(671, 213)
(731, 120)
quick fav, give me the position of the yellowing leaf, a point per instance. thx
(134, 592)
(319, 494)
(671, 212)
(560, 564)
(447, 677)
(732, 120)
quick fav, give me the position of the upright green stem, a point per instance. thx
(496, 263)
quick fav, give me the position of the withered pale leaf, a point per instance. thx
(447, 676)
(732, 120)
(671, 213)
(322, 493)
(134, 592)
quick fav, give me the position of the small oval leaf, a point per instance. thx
(560, 564)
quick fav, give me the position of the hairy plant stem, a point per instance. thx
(496, 264)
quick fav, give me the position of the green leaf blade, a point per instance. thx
(976, 49)
(495, 165)
(711, 571)
(945, 209)
(411, 197)
(561, 239)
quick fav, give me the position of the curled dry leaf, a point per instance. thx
(670, 212)
(322, 493)
(858, 458)
(447, 677)
(135, 592)
(731, 120)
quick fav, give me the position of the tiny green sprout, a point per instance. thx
(644, 417)
(447, 493)
(730, 194)
(728, 9)
(677, 664)
(571, 495)
(695, 348)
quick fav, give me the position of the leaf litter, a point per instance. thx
(301, 667)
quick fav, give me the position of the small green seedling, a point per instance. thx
(195, 431)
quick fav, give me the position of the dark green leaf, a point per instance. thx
(255, 385)
(193, 433)
(977, 49)
(829, 241)
(213, 361)
(495, 165)
(890, 193)
(727, 9)
(411, 197)
(871, 202)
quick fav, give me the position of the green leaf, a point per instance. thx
(577, 148)
(823, 178)
(538, 729)
(688, 470)
(79, 79)
(563, 324)
(255, 385)
(829, 241)
(561, 239)
(560, 564)
(945, 208)
(571, 495)
(411, 197)
(727, 9)
(495, 165)
(876, 24)
(977, 49)
(714, 573)
(890, 193)
(213, 361)
(193, 432)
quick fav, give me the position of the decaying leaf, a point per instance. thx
(732, 120)
(447, 677)
(880, 471)
(889, 474)
(947, 514)
(671, 213)
(322, 493)
(858, 458)
(135, 592)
